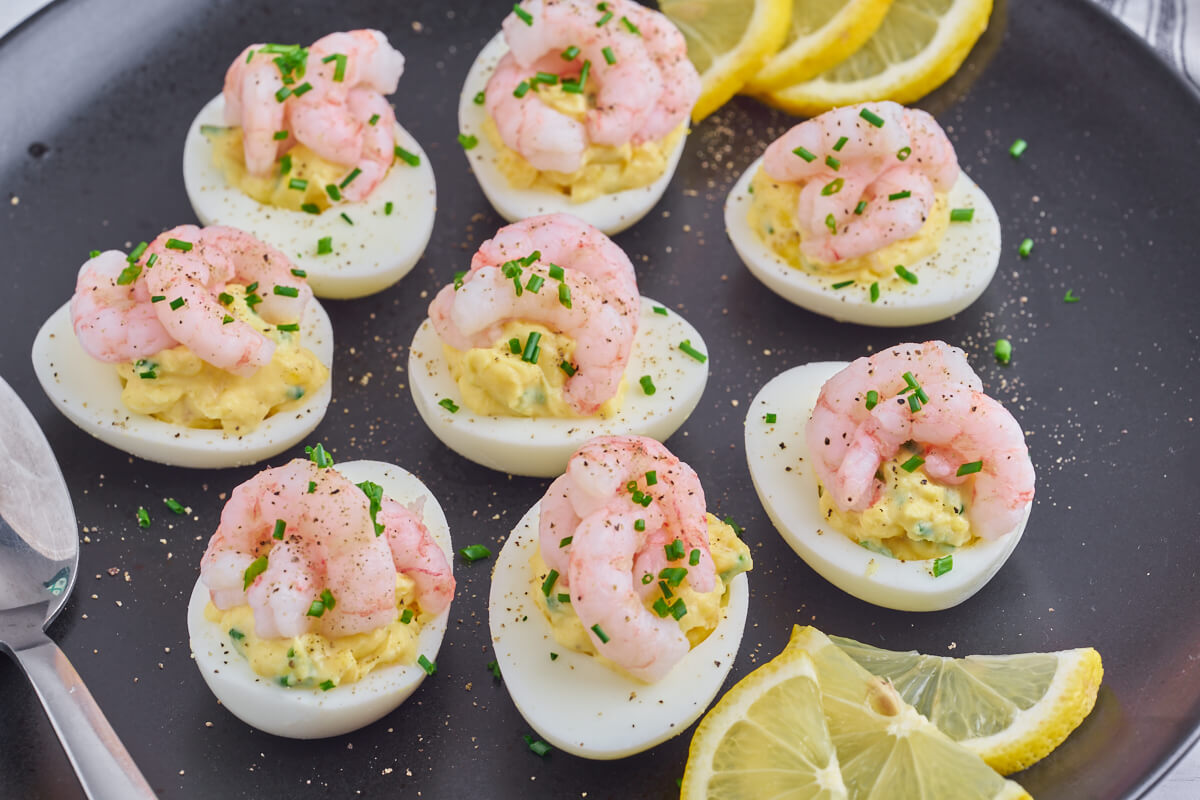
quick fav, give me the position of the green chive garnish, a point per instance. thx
(660, 607)
(129, 275)
(299, 273)
(570, 53)
(387, 208)
(302, 89)
(564, 295)
(256, 568)
(678, 610)
(1003, 351)
(842, 284)
(177, 303)
(841, 142)
(548, 584)
(236, 635)
(448, 404)
(331, 189)
(901, 195)
(694, 557)
(226, 319)
(647, 579)
(288, 327)
(143, 517)
(912, 463)
(861, 207)
(1026, 248)
(467, 141)
(770, 418)
(629, 26)
(962, 214)
(548, 78)
(354, 173)
(326, 685)
(494, 668)
(176, 244)
(833, 163)
(943, 565)
(522, 89)
(474, 552)
(600, 634)
(903, 153)
(531, 348)
(805, 154)
(1018, 147)
(970, 469)
(535, 282)
(174, 505)
(648, 387)
(480, 98)
(280, 527)
(652, 478)
(325, 245)
(1070, 297)
(298, 184)
(914, 403)
(522, 14)
(373, 120)
(537, 745)
(319, 455)
(285, 164)
(874, 291)
(286, 291)
(686, 346)
(674, 550)
(430, 667)
(833, 187)
(608, 55)
(673, 575)
(660, 310)
(158, 298)
(872, 399)
(639, 525)
(346, 217)
(280, 136)
(831, 223)
(310, 208)
(871, 117)
(566, 540)
(93, 253)
(406, 616)
(903, 272)
(514, 346)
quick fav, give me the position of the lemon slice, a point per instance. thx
(766, 738)
(1011, 710)
(884, 746)
(917, 48)
(728, 41)
(822, 34)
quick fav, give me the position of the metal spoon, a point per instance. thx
(39, 556)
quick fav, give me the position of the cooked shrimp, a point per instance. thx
(115, 322)
(958, 425)
(379, 142)
(416, 554)
(601, 315)
(328, 543)
(604, 563)
(191, 278)
(251, 83)
(638, 86)
(895, 167)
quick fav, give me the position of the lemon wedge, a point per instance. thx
(885, 748)
(822, 34)
(728, 41)
(766, 738)
(919, 45)
(1011, 710)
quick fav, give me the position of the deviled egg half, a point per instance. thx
(895, 477)
(545, 343)
(323, 596)
(618, 602)
(862, 215)
(571, 108)
(204, 348)
(303, 150)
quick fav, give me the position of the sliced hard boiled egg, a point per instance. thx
(611, 213)
(949, 280)
(540, 446)
(88, 392)
(310, 713)
(370, 252)
(574, 702)
(781, 468)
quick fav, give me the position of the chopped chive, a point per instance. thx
(661, 608)
(660, 310)
(872, 399)
(564, 295)
(331, 189)
(279, 136)
(522, 89)
(143, 517)
(236, 635)
(174, 505)
(871, 117)
(673, 575)
(861, 207)
(282, 94)
(874, 291)
(93, 253)
(903, 272)
(136, 253)
(842, 284)
(608, 55)
(648, 387)
(831, 223)
(299, 184)
(1026, 248)
(256, 568)
(686, 346)
(480, 98)
(177, 303)
(943, 565)
(970, 468)
(694, 557)
(629, 26)
(570, 53)
(285, 164)
(302, 89)
(354, 173)
(374, 493)
(494, 668)
(678, 610)
(841, 142)
(226, 319)
(467, 141)
(1003, 351)
(373, 120)
(280, 527)
(129, 275)
(600, 634)
(911, 381)
(288, 327)
(406, 616)
(548, 583)
(319, 455)
(531, 347)
(346, 217)
(514, 346)
(962, 214)
(548, 78)
(901, 195)
(647, 579)
(252, 299)
(639, 525)
(448, 404)
(286, 291)
(299, 273)
(604, 20)
(430, 667)
(770, 418)
(556, 272)
(177, 244)
(310, 208)
(522, 14)
(833, 187)
(912, 464)
(652, 478)
(339, 68)
(387, 208)
(326, 685)
(151, 260)
(568, 368)
(535, 282)
(914, 403)
(537, 745)
(474, 552)
(566, 540)
(158, 298)
(805, 154)
(324, 245)
(903, 153)
(674, 550)
(312, 486)
(833, 163)
(1070, 297)
(1017, 148)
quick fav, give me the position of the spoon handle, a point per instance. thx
(103, 765)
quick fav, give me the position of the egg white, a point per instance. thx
(539, 447)
(574, 702)
(950, 279)
(368, 256)
(88, 392)
(781, 468)
(304, 713)
(611, 213)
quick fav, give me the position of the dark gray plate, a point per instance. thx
(98, 95)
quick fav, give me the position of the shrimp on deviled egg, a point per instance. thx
(581, 107)
(544, 343)
(303, 149)
(893, 476)
(863, 214)
(192, 350)
(635, 591)
(322, 601)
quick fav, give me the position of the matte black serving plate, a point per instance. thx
(97, 97)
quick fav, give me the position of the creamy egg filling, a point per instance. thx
(519, 379)
(176, 386)
(605, 169)
(772, 215)
(300, 181)
(698, 613)
(316, 661)
(915, 517)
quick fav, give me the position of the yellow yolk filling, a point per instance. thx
(300, 177)
(176, 386)
(498, 381)
(915, 517)
(772, 215)
(317, 661)
(605, 168)
(730, 555)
